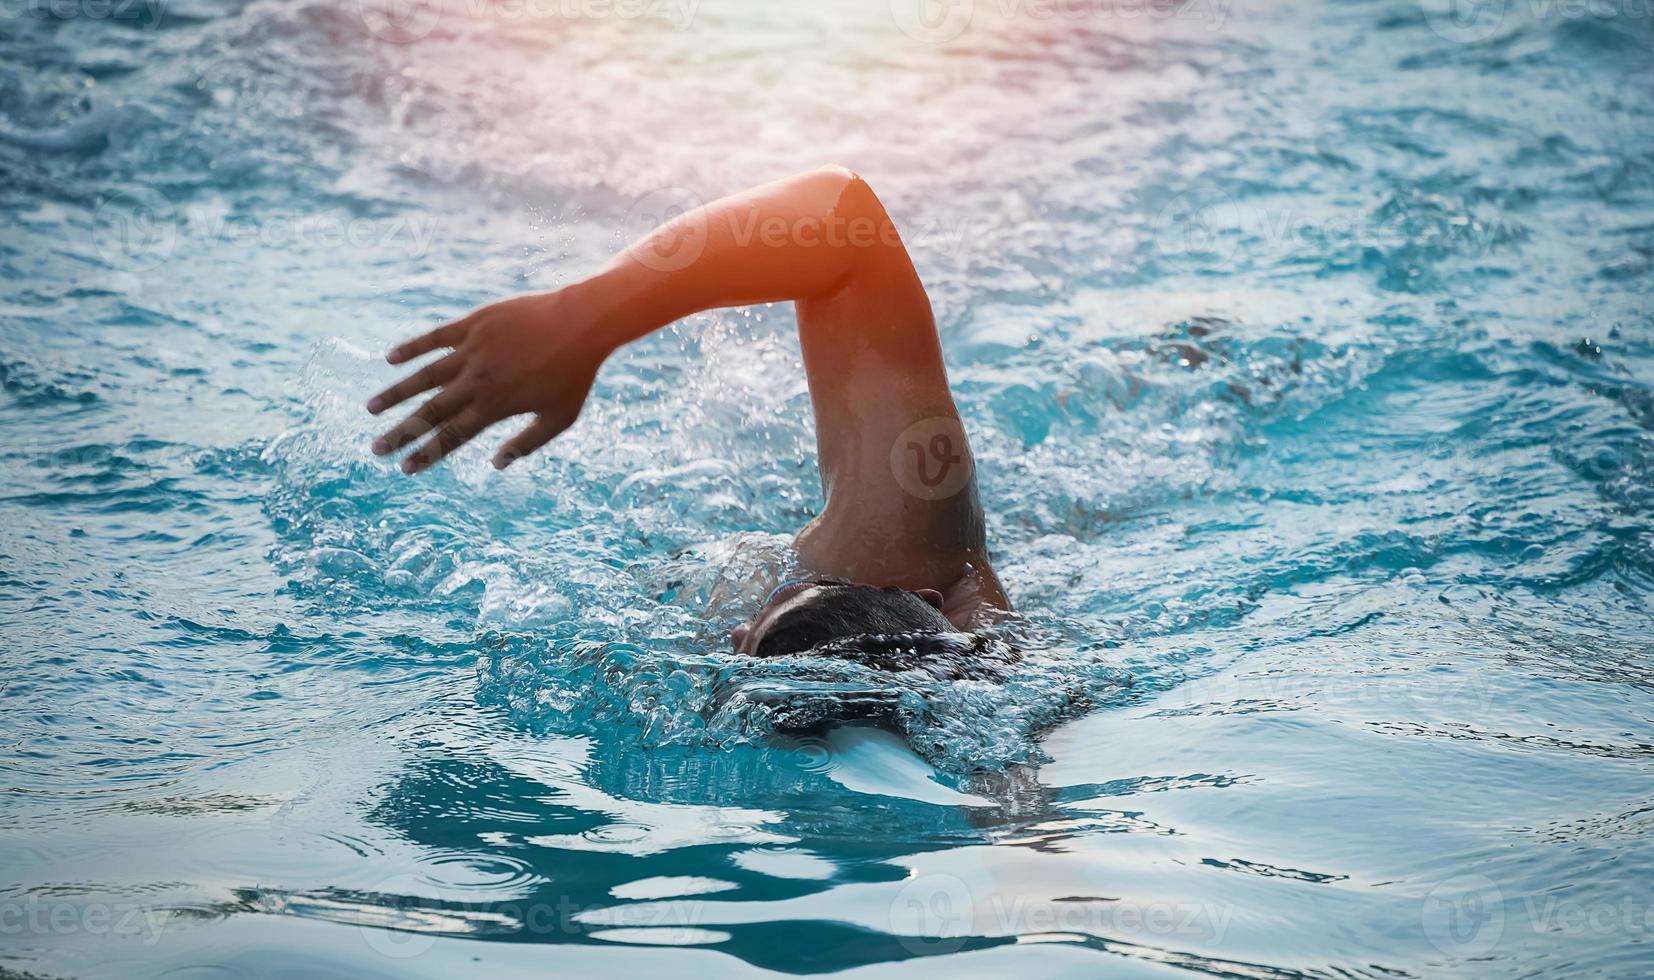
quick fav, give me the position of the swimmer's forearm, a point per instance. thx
(793, 239)
(801, 239)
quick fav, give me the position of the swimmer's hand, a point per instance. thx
(529, 355)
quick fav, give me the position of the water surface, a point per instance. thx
(1307, 355)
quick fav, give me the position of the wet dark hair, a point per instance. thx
(842, 610)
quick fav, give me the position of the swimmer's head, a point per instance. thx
(807, 613)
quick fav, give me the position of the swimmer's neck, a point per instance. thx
(972, 596)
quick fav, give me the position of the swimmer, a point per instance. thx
(899, 547)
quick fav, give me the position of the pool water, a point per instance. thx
(1306, 350)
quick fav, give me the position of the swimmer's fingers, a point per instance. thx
(430, 415)
(432, 375)
(456, 432)
(539, 432)
(447, 335)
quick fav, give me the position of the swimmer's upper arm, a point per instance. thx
(902, 506)
(901, 500)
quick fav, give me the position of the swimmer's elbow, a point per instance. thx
(839, 172)
(855, 197)
(849, 194)
(834, 205)
(859, 213)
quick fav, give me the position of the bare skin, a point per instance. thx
(886, 424)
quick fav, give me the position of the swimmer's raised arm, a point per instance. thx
(902, 504)
(539, 353)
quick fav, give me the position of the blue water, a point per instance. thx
(1306, 349)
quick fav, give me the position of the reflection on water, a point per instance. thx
(721, 834)
(1304, 349)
